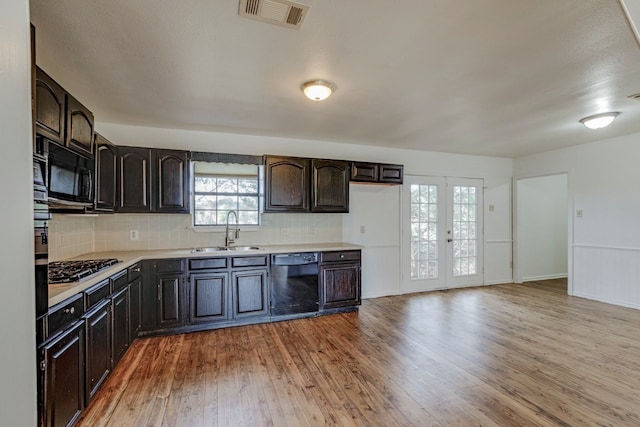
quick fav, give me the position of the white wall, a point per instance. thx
(381, 261)
(603, 183)
(542, 204)
(373, 221)
(17, 309)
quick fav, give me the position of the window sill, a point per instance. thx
(221, 228)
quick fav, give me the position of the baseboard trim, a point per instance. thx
(545, 277)
(498, 282)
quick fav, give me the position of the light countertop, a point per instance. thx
(61, 291)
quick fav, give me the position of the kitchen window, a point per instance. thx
(221, 188)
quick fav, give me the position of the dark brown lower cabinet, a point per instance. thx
(170, 300)
(209, 296)
(250, 296)
(120, 313)
(98, 341)
(63, 372)
(340, 284)
(135, 308)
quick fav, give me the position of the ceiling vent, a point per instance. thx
(278, 12)
(636, 96)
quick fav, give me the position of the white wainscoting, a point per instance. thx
(607, 273)
(497, 261)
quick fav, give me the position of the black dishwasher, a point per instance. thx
(294, 283)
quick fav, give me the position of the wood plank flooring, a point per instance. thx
(507, 355)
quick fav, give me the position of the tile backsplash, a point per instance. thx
(83, 234)
(71, 235)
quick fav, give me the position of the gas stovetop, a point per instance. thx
(73, 271)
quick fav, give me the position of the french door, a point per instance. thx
(442, 233)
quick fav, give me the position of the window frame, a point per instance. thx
(221, 227)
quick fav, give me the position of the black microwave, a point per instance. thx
(70, 178)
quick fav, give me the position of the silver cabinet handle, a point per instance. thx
(70, 310)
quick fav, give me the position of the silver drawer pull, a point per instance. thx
(342, 256)
(70, 310)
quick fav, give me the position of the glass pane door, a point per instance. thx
(464, 232)
(442, 233)
(423, 231)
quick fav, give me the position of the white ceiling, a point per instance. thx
(492, 77)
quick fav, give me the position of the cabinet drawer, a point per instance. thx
(96, 293)
(207, 263)
(134, 272)
(249, 261)
(338, 256)
(119, 281)
(170, 266)
(64, 313)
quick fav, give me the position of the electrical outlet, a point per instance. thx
(61, 239)
(133, 234)
(492, 208)
(579, 213)
(362, 229)
(284, 231)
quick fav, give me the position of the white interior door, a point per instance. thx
(442, 233)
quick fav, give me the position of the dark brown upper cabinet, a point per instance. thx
(152, 180)
(381, 173)
(286, 184)
(49, 108)
(79, 127)
(330, 186)
(171, 181)
(133, 179)
(106, 159)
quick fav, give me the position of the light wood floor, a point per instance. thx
(508, 355)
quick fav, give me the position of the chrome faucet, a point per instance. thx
(228, 241)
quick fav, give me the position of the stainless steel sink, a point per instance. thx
(214, 249)
(224, 248)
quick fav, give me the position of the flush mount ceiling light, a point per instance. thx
(599, 121)
(318, 90)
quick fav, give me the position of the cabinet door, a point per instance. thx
(120, 310)
(79, 127)
(64, 377)
(50, 107)
(170, 300)
(390, 174)
(171, 177)
(340, 284)
(99, 341)
(135, 308)
(250, 293)
(134, 180)
(209, 295)
(364, 172)
(330, 189)
(287, 184)
(105, 191)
